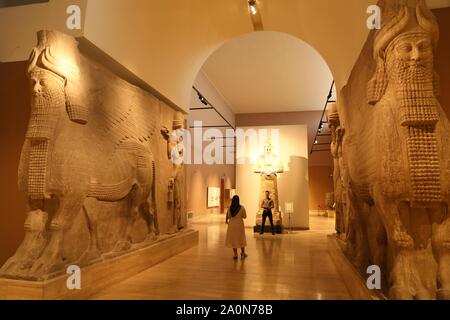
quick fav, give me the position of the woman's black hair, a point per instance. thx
(235, 206)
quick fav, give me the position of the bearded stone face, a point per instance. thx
(268, 149)
(410, 60)
(47, 100)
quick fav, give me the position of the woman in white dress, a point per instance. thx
(236, 230)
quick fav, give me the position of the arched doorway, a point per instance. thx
(263, 79)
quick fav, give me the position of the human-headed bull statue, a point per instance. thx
(87, 165)
(396, 149)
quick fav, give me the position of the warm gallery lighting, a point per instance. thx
(316, 142)
(252, 4)
(66, 65)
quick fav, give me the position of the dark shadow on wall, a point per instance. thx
(15, 109)
(320, 183)
(443, 57)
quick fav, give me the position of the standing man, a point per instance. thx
(267, 205)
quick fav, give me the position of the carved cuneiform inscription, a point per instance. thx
(37, 169)
(424, 164)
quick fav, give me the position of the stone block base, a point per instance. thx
(356, 285)
(99, 276)
(268, 229)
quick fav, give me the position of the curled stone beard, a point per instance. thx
(414, 91)
(45, 110)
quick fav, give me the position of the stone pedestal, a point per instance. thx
(277, 222)
(99, 276)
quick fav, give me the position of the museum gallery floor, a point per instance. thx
(281, 267)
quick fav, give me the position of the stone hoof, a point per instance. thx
(122, 246)
(45, 266)
(403, 240)
(424, 294)
(15, 267)
(24, 257)
(89, 256)
(400, 293)
(9, 269)
(151, 237)
(443, 294)
(173, 230)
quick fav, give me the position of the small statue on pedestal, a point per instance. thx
(269, 166)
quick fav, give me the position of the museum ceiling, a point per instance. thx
(166, 43)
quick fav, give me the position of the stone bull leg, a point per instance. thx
(400, 244)
(441, 246)
(32, 245)
(422, 267)
(51, 259)
(135, 198)
(355, 240)
(92, 254)
(148, 210)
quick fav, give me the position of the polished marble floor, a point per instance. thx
(288, 266)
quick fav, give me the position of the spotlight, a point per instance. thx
(316, 142)
(202, 99)
(252, 4)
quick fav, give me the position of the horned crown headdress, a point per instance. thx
(58, 53)
(404, 17)
(333, 114)
(178, 121)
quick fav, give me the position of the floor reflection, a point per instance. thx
(288, 266)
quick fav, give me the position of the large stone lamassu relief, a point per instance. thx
(94, 166)
(394, 167)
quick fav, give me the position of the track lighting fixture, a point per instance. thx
(252, 6)
(202, 99)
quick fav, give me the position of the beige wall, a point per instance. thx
(199, 178)
(19, 25)
(14, 113)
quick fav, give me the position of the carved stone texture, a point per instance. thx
(176, 183)
(89, 165)
(337, 135)
(269, 167)
(397, 155)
